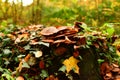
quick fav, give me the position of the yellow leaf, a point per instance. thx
(71, 64)
(118, 53)
(117, 42)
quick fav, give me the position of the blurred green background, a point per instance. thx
(59, 12)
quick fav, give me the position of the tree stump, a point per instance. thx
(89, 68)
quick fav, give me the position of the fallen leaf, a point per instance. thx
(23, 36)
(118, 52)
(71, 64)
(11, 36)
(25, 65)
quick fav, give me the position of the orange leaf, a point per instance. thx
(27, 57)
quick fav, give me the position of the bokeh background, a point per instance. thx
(94, 13)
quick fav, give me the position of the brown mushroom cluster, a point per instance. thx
(110, 71)
(61, 36)
(56, 35)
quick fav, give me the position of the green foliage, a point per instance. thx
(100, 61)
(108, 28)
(6, 74)
(44, 74)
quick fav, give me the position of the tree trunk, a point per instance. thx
(89, 68)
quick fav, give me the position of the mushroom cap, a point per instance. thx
(49, 31)
(62, 28)
(19, 78)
